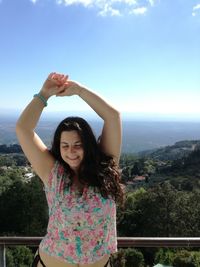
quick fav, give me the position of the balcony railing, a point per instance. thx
(123, 242)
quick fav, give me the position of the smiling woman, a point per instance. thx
(80, 176)
(71, 149)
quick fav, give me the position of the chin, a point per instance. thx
(74, 167)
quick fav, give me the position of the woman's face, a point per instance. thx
(71, 149)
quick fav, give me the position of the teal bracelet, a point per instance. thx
(42, 98)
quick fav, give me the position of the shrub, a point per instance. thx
(164, 256)
(134, 258)
(19, 256)
(186, 258)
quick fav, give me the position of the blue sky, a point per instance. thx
(141, 55)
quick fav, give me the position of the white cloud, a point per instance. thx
(196, 7)
(34, 1)
(109, 11)
(195, 10)
(85, 3)
(112, 7)
(139, 11)
(151, 2)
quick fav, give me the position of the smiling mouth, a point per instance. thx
(72, 159)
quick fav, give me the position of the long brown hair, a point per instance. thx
(97, 169)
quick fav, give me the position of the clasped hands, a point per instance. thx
(59, 85)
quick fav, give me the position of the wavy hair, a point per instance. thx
(97, 168)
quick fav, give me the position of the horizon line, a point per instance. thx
(126, 115)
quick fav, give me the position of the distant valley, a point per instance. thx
(137, 135)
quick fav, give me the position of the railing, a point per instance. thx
(123, 242)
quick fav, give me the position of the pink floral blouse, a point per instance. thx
(81, 229)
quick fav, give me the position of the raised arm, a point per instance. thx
(110, 141)
(33, 147)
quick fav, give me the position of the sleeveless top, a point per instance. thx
(81, 229)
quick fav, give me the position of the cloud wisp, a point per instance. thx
(196, 10)
(112, 7)
(34, 1)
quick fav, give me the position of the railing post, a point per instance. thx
(3, 255)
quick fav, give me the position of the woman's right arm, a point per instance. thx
(34, 149)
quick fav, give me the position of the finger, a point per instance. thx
(54, 82)
(51, 75)
(62, 79)
(62, 93)
(61, 89)
(58, 78)
(65, 78)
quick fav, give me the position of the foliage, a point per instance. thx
(15, 148)
(118, 259)
(19, 256)
(129, 257)
(8, 177)
(134, 258)
(11, 160)
(186, 258)
(23, 209)
(160, 211)
(165, 256)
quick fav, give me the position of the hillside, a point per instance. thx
(182, 165)
(177, 151)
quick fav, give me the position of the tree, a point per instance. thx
(134, 258)
(23, 209)
(164, 256)
(150, 213)
(186, 258)
(19, 256)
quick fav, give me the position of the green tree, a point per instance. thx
(186, 258)
(23, 209)
(19, 256)
(164, 256)
(134, 258)
(151, 212)
(127, 222)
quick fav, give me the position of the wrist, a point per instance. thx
(41, 98)
(44, 94)
(80, 91)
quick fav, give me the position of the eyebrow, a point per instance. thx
(63, 142)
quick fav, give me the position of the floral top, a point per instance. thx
(81, 229)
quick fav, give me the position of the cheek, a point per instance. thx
(62, 152)
(82, 153)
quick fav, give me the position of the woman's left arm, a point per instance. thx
(111, 137)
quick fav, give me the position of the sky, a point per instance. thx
(142, 56)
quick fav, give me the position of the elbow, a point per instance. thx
(20, 127)
(17, 127)
(115, 114)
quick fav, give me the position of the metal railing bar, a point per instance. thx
(122, 241)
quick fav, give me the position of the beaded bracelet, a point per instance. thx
(42, 98)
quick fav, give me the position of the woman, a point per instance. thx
(80, 177)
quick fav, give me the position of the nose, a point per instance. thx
(71, 149)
